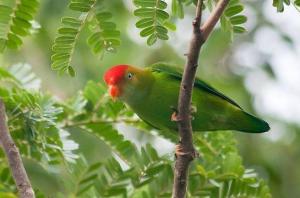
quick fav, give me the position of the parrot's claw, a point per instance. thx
(179, 151)
(193, 109)
(174, 117)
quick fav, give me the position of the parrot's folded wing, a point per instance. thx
(176, 73)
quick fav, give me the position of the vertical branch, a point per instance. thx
(183, 117)
(185, 150)
(14, 158)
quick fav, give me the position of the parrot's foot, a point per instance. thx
(179, 151)
(193, 109)
(174, 117)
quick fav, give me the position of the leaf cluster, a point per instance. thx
(33, 117)
(104, 37)
(177, 7)
(40, 125)
(218, 172)
(279, 4)
(232, 19)
(153, 20)
(16, 21)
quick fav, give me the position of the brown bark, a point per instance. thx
(214, 17)
(183, 117)
(14, 158)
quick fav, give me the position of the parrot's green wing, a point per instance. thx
(176, 73)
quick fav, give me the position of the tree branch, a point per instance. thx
(186, 149)
(183, 116)
(214, 17)
(101, 121)
(14, 158)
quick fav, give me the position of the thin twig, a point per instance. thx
(187, 152)
(214, 17)
(14, 158)
(207, 145)
(101, 121)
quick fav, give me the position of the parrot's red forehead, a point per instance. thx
(115, 74)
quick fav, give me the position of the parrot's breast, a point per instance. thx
(156, 107)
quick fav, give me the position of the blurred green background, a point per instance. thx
(259, 69)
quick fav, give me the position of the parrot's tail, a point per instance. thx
(250, 124)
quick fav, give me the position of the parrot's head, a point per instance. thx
(126, 82)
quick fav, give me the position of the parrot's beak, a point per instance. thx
(113, 91)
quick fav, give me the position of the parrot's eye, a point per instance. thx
(129, 75)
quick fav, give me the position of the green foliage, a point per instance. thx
(177, 7)
(153, 20)
(104, 35)
(154, 23)
(84, 175)
(232, 19)
(64, 44)
(218, 172)
(107, 133)
(16, 21)
(33, 117)
(279, 4)
(42, 126)
(7, 184)
(297, 3)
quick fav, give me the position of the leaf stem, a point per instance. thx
(85, 18)
(207, 145)
(101, 121)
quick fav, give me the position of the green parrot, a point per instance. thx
(152, 93)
